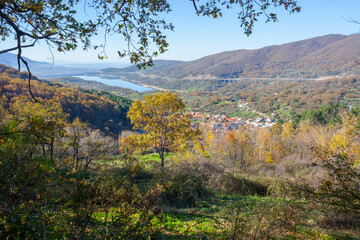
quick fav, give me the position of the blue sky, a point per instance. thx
(195, 37)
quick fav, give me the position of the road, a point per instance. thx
(260, 113)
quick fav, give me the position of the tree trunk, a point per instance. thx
(162, 157)
(52, 149)
(43, 150)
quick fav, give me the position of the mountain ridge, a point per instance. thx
(271, 61)
(328, 55)
(41, 69)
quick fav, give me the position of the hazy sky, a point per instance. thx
(195, 37)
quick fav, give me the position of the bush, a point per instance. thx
(340, 188)
(268, 218)
(184, 190)
(227, 183)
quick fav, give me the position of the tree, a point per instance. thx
(96, 146)
(42, 122)
(161, 117)
(86, 145)
(140, 23)
(59, 24)
(76, 131)
(238, 148)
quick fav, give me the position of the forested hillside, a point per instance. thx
(101, 110)
(310, 58)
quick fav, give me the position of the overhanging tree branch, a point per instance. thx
(16, 48)
(138, 23)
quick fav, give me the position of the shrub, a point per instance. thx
(267, 218)
(184, 190)
(227, 183)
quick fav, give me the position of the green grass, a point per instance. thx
(151, 156)
(213, 217)
(154, 157)
(178, 225)
(210, 219)
(147, 159)
(223, 103)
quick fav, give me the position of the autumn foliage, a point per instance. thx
(163, 120)
(61, 178)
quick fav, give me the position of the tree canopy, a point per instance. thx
(62, 25)
(161, 117)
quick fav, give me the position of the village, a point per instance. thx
(224, 123)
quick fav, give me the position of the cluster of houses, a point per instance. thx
(223, 123)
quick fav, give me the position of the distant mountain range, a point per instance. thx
(159, 65)
(41, 69)
(311, 58)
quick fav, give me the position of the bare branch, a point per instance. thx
(351, 20)
(196, 9)
(15, 48)
(29, 78)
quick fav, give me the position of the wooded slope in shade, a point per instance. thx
(101, 110)
(310, 58)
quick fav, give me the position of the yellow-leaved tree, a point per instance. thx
(162, 119)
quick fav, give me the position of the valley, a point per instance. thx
(236, 145)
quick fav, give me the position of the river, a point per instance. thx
(116, 82)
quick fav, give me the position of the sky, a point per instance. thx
(195, 37)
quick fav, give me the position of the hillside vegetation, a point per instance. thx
(284, 97)
(61, 179)
(310, 58)
(101, 110)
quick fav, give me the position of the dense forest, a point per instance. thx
(71, 169)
